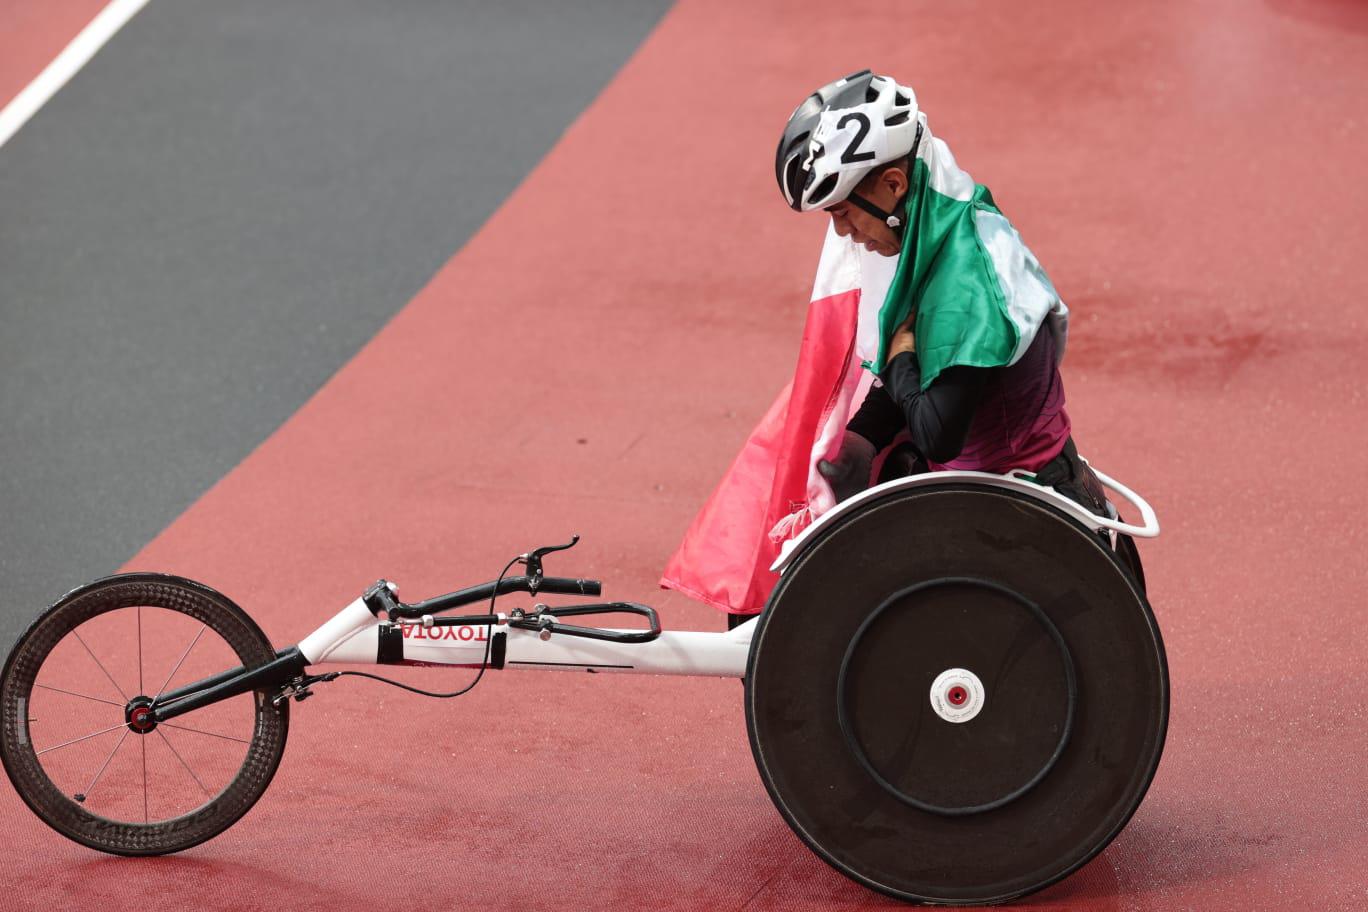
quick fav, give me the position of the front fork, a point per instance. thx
(288, 666)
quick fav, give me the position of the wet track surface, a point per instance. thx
(223, 357)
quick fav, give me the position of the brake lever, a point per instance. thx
(532, 560)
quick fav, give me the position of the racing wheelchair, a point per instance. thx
(956, 693)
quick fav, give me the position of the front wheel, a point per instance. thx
(71, 735)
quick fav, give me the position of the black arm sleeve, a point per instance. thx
(879, 419)
(938, 417)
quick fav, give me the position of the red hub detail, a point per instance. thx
(139, 721)
(957, 695)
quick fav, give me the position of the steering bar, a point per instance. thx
(556, 585)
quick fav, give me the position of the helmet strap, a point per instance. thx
(888, 218)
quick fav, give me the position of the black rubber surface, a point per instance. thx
(218, 211)
(1026, 838)
(987, 761)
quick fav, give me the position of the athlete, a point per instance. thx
(972, 330)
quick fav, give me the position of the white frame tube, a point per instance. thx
(352, 637)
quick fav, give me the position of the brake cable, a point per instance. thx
(418, 690)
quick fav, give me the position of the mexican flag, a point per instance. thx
(980, 297)
(773, 490)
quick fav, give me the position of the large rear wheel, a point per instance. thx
(957, 695)
(73, 696)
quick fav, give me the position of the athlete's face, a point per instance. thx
(883, 188)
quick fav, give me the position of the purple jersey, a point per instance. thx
(1020, 422)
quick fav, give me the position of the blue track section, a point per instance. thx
(219, 211)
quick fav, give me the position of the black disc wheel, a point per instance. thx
(957, 694)
(75, 736)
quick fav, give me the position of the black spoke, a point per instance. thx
(203, 627)
(183, 763)
(82, 738)
(143, 741)
(73, 693)
(201, 732)
(77, 634)
(90, 788)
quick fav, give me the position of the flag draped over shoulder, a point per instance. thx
(979, 293)
(980, 297)
(773, 485)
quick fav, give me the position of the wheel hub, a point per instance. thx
(138, 715)
(957, 695)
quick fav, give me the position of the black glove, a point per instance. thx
(848, 473)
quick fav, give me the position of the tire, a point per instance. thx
(1129, 556)
(957, 694)
(47, 682)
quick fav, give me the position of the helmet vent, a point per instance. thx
(823, 190)
(896, 119)
(793, 178)
(900, 100)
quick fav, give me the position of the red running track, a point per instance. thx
(1193, 177)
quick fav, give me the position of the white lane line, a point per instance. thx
(66, 64)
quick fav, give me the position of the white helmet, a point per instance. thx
(839, 134)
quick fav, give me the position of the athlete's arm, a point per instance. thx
(938, 418)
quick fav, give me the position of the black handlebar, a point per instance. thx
(560, 585)
(379, 597)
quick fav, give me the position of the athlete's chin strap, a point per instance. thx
(888, 218)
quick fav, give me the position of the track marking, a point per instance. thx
(66, 65)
